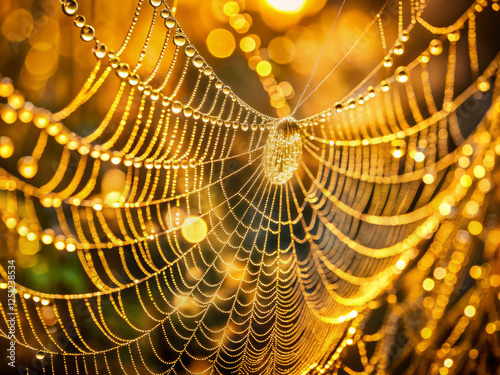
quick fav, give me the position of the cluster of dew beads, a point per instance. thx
(282, 151)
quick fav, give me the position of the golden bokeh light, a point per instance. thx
(28, 247)
(48, 316)
(42, 60)
(470, 311)
(428, 178)
(231, 8)
(281, 49)
(475, 227)
(264, 68)
(428, 284)
(241, 22)
(194, 229)
(17, 26)
(221, 43)
(112, 185)
(249, 43)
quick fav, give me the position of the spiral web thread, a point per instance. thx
(288, 277)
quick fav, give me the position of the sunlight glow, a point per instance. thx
(287, 6)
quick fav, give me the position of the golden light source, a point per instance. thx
(287, 6)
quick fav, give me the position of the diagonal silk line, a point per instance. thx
(340, 62)
(319, 58)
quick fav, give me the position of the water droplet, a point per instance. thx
(40, 355)
(87, 33)
(189, 51)
(208, 71)
(70, 7)
(254, 126)
(401, 74)
(405, 36)
(371, 91)
(133, 79)
(282, 151)
(155, 3)
(436, 47)
(155, 95)
(164, 13)
(100, 50)
(198, 61)
(177, 107)
(6, 147)
(454, 36)
(115, 62)
(123, 70)
(388, 61)
(244, 126)
(179, 40)
(79, 21)
(188, 111)
(398, 48)
(226, 90)
(424, 57)
(27, 166)
(384, 86)
(170, 22)
(184, 164)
